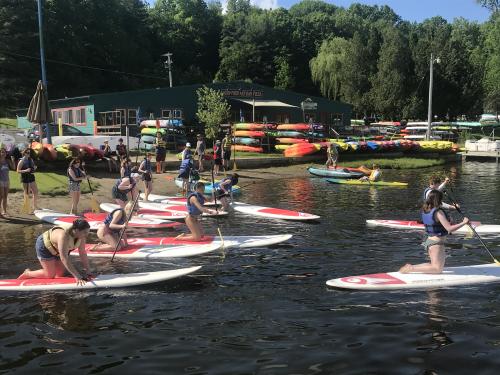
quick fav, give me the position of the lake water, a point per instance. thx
(267, 310)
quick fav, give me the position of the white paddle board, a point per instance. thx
(58, 218)
(177, 208)
(101, 281)
(415, 225)
(451, 276)
(148, 213)
(272, 213)
(166, 199)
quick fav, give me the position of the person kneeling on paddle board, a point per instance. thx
(195, 202)
(123, 186)
(109, 231)
(224, 191)
(53, 248)
(437, 225)
(375, 175)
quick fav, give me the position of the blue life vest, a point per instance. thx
(186, 166)
(432, 226)
(426, 191)
(109, 218)
(147, 165)
(192, 209)
(228, 187)
(78, 173)
(127, 171)
(28, 163)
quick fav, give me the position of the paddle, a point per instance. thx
(217, 210)
(138, 149)
(94, 205)
(454, 203)
(125, 225)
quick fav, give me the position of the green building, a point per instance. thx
(111, 113)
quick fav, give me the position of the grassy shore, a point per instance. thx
(396, 163)
(8, 122)
(49, 183)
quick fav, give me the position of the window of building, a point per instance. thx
(173, 113)
(283, 118)
(132, 116)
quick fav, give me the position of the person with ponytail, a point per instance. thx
(75, 176)
(437, 226)
(52, 249)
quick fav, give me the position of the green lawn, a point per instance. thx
(396, 163)
(49, 183)
(8, 122)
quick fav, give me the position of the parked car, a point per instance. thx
(67, 130)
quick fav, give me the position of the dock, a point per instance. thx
(480, 155)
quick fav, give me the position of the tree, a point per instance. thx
(213, 110)
(284, 78)
(492, 69)
(327, 67)
(492, 5)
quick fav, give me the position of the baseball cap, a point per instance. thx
(188, 144)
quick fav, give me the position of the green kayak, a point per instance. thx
(366, 183)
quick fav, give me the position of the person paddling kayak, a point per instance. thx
(195, 202)
(53, 248)
(438, 226)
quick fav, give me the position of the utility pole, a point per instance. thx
(168, 64)
(429, 107)
(42, 64)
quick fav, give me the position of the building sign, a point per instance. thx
(309, 105)
(243, 93)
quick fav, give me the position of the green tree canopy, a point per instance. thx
(213, 110)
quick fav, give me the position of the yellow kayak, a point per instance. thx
(367, 183)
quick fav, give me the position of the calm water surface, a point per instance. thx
(267, 310)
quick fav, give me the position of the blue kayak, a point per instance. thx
(208, 186)
(336, 173)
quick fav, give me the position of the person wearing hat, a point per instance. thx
(187, 151)
(217, 157)
(185, 172)
(200, 151)
(123, 187)
(121, 149)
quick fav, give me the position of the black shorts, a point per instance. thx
(227, 154)
(218, 161)
(146, 177)
(27, 178)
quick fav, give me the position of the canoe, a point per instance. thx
(247, 148)
(289, 134)
(367, 183)
(249, 133)
(336, 173)
(301, 149)
(250, 126)
(298, 127)
(291, 140)
(247, 141)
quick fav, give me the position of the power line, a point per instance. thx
(84, 66)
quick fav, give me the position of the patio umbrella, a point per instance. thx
(39, 109)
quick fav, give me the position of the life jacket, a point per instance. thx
(71, 242)
(28, 163)
(109, 218)
(122, 149)
(192, 209)
(147, 165)
(227, 142)
(78, 173)
(426, 191)
(375, 175)
(432, 226)
(127, 171)
(186, 166)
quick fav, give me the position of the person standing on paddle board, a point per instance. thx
(147, 175)
(109, 231)
(75, 176)
(53, 248)
(375, 175)
(435, 184)
(224, 191)
(26, 167)
(200, 151)
(332, 156)
(123, 187)
(195, 202)
(5, 165)
(437, 226)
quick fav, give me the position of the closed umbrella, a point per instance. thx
(39, 110)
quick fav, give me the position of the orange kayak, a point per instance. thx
(291, 140)
(248, 148)
(249, 133)
(300, 127)
(301, 149)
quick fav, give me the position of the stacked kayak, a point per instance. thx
(252, 126)
(336, 173)
(415, 225)
(302, 149)
(249, 139)
(168, 123)
(367, 183)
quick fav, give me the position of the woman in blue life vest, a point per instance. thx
(195, 202)
(147, 175)
(26, 168)
(126, 167)
(438, 226)
(52, 250)
(224, 192)
(185, 172)
(75, 176)
(123, 187)
(109, 231)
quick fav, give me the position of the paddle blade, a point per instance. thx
(94, 205)
(235, 167)
(25, 209)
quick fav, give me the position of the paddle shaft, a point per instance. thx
(122, 232)
(216, 208)
(454, 203)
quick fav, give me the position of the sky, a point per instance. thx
(408, 10)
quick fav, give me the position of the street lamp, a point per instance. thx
(429, 108)
(168, 64)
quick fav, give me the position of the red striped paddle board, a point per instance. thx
(415, 225)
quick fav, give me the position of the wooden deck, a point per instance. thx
(480, 155)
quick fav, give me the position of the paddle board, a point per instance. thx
(208, 186)
(151, 209)
(156, 198)
(367, 183)
(58, 218)
(272, 213)
(100, 281)
(415, 225)
(451, 276)
(148, 213)
(338, 173)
